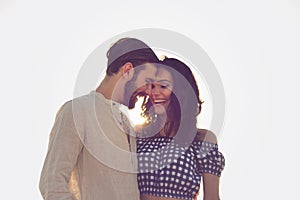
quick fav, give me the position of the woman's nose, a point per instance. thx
(155, 89)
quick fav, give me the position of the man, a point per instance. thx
(89, 155)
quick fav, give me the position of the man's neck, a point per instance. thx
(106, 88)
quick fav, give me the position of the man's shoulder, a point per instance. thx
(77, 104)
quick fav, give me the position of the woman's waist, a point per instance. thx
(152, 197)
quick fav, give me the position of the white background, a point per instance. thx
(254, 44)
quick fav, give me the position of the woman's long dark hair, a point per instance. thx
(185, 103)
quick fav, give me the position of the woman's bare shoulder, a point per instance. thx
(206, 135)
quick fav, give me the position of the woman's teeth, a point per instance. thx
(160, 101)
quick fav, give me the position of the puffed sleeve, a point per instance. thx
(208, 158)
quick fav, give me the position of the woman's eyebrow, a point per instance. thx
(165, 80)
(148, 80)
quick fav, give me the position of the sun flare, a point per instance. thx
(135, 114)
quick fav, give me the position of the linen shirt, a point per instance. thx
(89, 156)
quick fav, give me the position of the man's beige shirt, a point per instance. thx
(89, 156)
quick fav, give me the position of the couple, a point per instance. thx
(168, 152)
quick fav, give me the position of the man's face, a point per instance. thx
(144, 79)
(140, 85)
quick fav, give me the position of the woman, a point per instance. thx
(173, 155)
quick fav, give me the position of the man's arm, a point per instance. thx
(63, 150)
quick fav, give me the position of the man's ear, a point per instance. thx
(128, 70)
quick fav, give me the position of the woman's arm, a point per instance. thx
(211, 166)
(211, 186)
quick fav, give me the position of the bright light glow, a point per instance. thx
(135, 114)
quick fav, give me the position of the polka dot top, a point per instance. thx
(168, 170)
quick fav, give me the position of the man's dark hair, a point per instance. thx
(128, 50)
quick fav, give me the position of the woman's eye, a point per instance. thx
(164, 86)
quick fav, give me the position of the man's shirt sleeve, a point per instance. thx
(63, 150)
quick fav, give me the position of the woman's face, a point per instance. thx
(161, 90)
